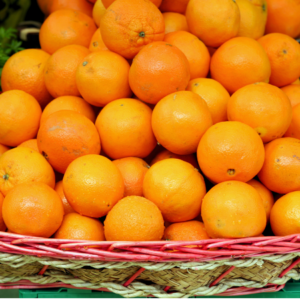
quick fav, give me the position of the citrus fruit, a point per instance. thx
(19, 118)
(60, 191)
(98, 11)
(93, 185)
(2, 224)
(80, 5)
(158, 70)
(294, 129)
(129, 25)
(31, 144)
(66, 135)
(44, 5)
(3, 149)
(77, 227)
(175, 22)
(125, 130)
(134, 218)
(180, 120)
(33, 209)
(230, 151)
(293, 93)
(233, 209)
(97, 43)
(176, 187)
(178, 6)
(107, 3)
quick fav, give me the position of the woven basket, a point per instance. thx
(138, 269)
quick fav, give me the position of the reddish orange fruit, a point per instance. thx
(97, 43)
(107, 3)
(77, 227)
(178, 6)
(3, 149)
(80, 5)
(60, 191)
(2, 224)
(175, 22)
(230, 151)
(176, 187)
(31, 144)
(66, 135)
(233, 209)
(293, 93)
(294, 129)
(134, 219)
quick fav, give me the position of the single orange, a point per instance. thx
(31, 144)
(233, 209)
(180, 120)
(175, 22)
(93, 185)
(297, 81)
(20, 117)
(280, 172)
(263, 107)
(265, 194)
(44, 5)
(214, 94)
(33, 209)
(103, 69)
(80, 5)
(176, 187)
(195, 51)
(3, 149)
(294, 129)
(178, 6)
(165, 154)
(107, 3)
(284, 55)
(72, 103)
(214, 22)
(97, 43)
(125, 129)
(230, 151)
(2, 224)
(239, 62)
(133, 170)
(24, 165)
(158, 70)
(66, 27)
(77, 227)
(25, 71)
(66, 135)
(98, 11)
(134, 219)
(285, 215)
(129, 25)
(186, 231)
(60, 191)
(293, 93)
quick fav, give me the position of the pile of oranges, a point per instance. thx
(162, 119)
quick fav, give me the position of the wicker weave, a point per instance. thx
(26, 270)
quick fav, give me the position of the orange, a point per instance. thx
(293, 93)
(2, 224)
(25, 71)
(44, 5)
(253, 19)
(134, 219)
(3, 149)
(175, 22)
(176, 187)
(285, 215)
(60, 191)
(97, 43)
(263, 107)
(233, 209)
(80, 5)
(93, 185)
(214, 94)
(60, 71)
(77, 227)
(214, 22)
(265, 194)
(283, 17)
(280, 172)
(297, 81)
(66, 135)
(178, 6)
(31, 144)
(19, 118)
(294, 129)
(186, 231)
(73, 103)
(125, 130)
(239, 62)
(195, 51)
(284, 56)
(230, 151)
(24, 165)
(129, 25)
(107, 3)
(157, 71)
(180, 120)
(133, 171)
(165, 154)
(102, 77)
(33, 209)
(98, 11)
(66, 27)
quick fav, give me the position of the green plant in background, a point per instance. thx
(8, 45)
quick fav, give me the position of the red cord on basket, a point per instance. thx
(222, 276)
(296, 262)
(134, 276)
(43, 270)
(167, 288)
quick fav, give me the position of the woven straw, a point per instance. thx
(26, 270)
